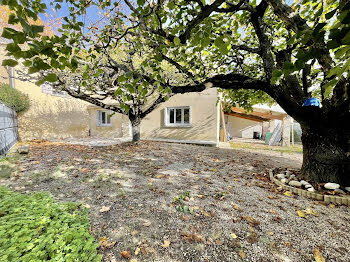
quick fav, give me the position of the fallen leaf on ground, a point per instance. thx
(133, 260)
(318, 256)
(301, 213)
(104, 209)
(193, 237)
(242, 254)
(252, 238)
(331, 205)
(147, 224)
(166, 243)
(251, 220)
(270, 233)
(235, 206)
(107, 244)
(288, 244)
(137, 251)
(233, 235)
(87, 206)
(125, 254)
(160, 176)
(84, 170)
(309, 211)
(287, 193)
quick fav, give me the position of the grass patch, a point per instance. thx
(289, 149)
(6, 170)
(36, 228)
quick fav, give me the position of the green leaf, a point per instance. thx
(277, 73)
(27, 63)
(51, 78)
(9, 62)
(177, 40)
(121, 79)
(140, 2)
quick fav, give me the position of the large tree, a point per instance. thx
(289, 51)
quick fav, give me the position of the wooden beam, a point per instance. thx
(249, 117)
(267, 115)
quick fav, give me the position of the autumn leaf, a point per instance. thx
(137, 251)
(166, 243)
(125, 254)
(104, 209)
(318, 256)
(251, 221)
(287, 193)
(233, 235)
(309, 211)
(301, 213)
(242, 254)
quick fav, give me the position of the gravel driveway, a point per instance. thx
(174, 202)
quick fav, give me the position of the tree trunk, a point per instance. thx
(135, 128)
(326, 154)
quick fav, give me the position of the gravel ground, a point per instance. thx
(174, 202)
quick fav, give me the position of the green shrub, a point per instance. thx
(14, 98)
(36, 228)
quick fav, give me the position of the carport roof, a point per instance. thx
(261, 113)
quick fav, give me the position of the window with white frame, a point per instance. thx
(178, 116)
(103, 118)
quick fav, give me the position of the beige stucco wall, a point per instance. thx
(48, 116)
(115, 130)
(204, 118)
(244, 128)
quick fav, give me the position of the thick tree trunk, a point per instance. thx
(135, 128)
(326, 154)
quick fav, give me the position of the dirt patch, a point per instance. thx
(174, 202)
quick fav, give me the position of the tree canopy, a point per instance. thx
(289, 51)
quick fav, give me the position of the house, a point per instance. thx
(51, 114)
(191, 118)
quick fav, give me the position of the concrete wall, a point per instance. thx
(244, 128)
(48, 116)
(118, 121)
(204, 118)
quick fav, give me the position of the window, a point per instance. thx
(103, 118)
(178, 116)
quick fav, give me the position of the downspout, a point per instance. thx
(12, 77)
(218, 116)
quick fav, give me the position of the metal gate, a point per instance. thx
(8, 128)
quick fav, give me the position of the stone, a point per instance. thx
(311, 189)
(292, 176)
(280, 176)
(347, 189)
(288, 172)
(331, 186)
(24, 149)
(339, 191)
(308, 186)
(294, 183)
(284, 180)
(303, 182)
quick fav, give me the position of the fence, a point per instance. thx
(8, 128)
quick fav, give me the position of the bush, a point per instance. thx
(14, 98)
(36, 228)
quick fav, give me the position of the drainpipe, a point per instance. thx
(12, 77)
